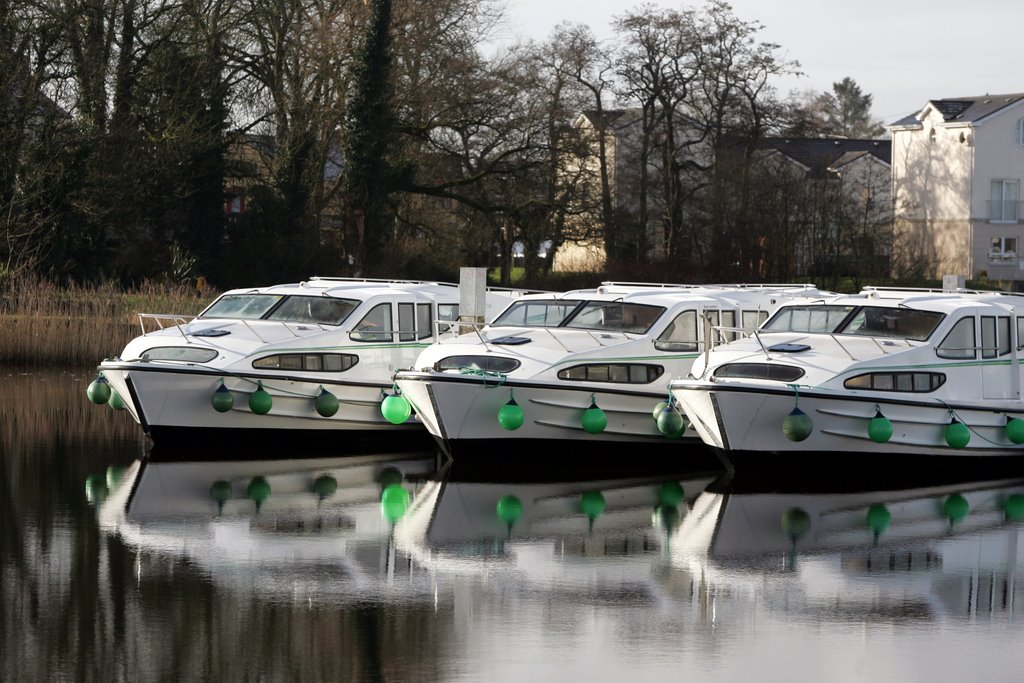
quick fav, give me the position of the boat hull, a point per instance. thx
(745, 425)
(461, 412)
(174, 407)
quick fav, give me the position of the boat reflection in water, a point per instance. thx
(342, 529)
(923, 551)
(284, 529)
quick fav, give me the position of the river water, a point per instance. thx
(118, 564)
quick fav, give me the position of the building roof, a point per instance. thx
(963, 109)
(820, 154)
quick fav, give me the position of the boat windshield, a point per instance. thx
(864, 321)
(547, 313)
(245, 306)
(615, 316)
(904, 323)
(816, 318)
(299, 309)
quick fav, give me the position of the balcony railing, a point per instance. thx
(1004, 211)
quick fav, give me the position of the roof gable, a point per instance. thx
(965, 110)
(818, 155)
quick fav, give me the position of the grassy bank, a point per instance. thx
(43, 324)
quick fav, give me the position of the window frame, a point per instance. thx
(1004, 184)
(657, 370)
(895, 376)
(970, 323)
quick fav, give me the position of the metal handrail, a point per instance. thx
(175, 319)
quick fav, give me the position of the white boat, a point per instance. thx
(303, 364)
(880, 375)
(587, 369)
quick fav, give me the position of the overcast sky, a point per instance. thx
(902, 53)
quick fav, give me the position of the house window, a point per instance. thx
(1003, 249)
(1004, 202)
(1018, 132)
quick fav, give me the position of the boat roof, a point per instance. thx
(668, 295)
(938, 300)
(364, 288)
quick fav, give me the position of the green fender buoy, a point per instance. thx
(671, 493)
(395, 408)
(258, 490)
(1013, 506)
(955, 508)
(797, 426)
(115, 402)
(220, 491)
(795, 523)
(658, 408)
(99, 390)
(510, 415)
(670, 423)
(879, 427)
(878, 519)
(592, 505)
(326, 403)
(509, 509)
(594, 419)
(394, 502)
(957, 434)
(260, 401)
(1015, 429)
(222, 399)
(325, 485)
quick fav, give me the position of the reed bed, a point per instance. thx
(43, 324)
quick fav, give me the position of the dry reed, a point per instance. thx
(47, 325)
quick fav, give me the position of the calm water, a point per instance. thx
(142, 579)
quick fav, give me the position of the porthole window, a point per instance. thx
(485, 363)
(769, 371)
(185, 354)
(307, 362)
(910, 382)
(614, 373)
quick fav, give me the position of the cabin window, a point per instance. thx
(911, 382)
(615, 373)
(751, 320)
(960, 343)
(375, 325)
(995, 336)
(484, 363)
(769, 371)
(313, 309)
(1004, 201)
(406, 322)
(185, 354)
(680, 335)
(315, 362)
(424, 321)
